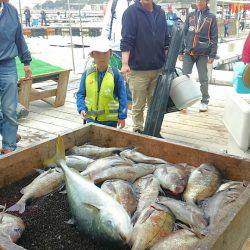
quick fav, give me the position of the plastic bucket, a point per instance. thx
(184, 92)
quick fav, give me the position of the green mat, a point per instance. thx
(38, 67)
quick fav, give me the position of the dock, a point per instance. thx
(201, 130)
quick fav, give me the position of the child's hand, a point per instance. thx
(121, 123)
(83, 115)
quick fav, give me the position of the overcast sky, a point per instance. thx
(26, 2)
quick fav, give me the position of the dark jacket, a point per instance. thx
(12, 42)
(146, 40)
(27, 14)
(201, 40)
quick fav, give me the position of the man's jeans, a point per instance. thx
(8, 104)
(201, 64)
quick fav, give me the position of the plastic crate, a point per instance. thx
(238, 83)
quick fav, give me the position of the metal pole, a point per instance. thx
(20, 10)
(83, 53)
(71, 39)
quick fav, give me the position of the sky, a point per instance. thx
(24, 3)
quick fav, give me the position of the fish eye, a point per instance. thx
(109, 223)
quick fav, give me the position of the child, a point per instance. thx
(102, 97)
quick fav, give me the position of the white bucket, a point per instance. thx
(184, 92)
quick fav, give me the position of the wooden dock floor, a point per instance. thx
(201, 130)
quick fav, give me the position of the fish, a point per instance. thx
(77, 162)
(7, 244)
(189, 214)
(202, 183)
(94, 152)
(138, 157)
(232, 184)
(95, 212)
(155, 222)
(11, 226)
(126, 173)
(42, 185)
(171, 177)
(179, 240)
(123, 192)
(147, 189)
(218, 206)
(104, 163)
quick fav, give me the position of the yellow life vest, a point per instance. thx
(102, 106)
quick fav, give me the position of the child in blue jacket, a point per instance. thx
(102, 97)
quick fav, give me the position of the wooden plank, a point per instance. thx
(24, 93)
(197, 129)
(40, 95)
(42, 126)
(230, 234)
(234, 168)
(234, 228)
(61, 123)
(62, 88)
(195, 143)
(21, 163)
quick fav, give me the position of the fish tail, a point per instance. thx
(60, 153)
(18, 207)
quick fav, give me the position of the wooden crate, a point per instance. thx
(27, 93)
(229, 235)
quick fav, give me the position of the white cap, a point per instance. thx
(101, 45)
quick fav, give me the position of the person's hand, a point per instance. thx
(28, 72)
(181, 57)
(83, 115)
(210, 60)
(121, 123)
(125, 70)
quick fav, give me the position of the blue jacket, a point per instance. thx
(145, 35)
(119, 91)
(12, 42)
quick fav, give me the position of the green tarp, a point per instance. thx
(38, 67)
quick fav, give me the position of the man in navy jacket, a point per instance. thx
(143, 45)
(12, 44)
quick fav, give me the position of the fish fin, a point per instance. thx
(18, 207)
(60, 153)
(92, 207)
(71, 221)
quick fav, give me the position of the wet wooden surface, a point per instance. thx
(201, 130)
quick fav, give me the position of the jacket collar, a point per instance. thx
(203, 12)
(138, 4)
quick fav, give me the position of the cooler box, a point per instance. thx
(35, 22)
(237, 119)
(238, 83)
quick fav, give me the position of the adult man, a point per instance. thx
(27, 16)
(200, 46)
(43, 18)
(12, 44)
(171, 18)
(144, 42)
